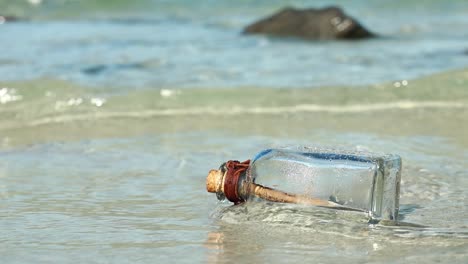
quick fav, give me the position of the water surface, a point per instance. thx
(111, 115)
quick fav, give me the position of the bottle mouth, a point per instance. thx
(215, 183)
(225, 181)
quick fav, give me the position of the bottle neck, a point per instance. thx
(229, 181)
(234, 178)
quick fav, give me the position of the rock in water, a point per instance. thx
(4, 19)
(326, 23)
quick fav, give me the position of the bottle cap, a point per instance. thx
(224, 182)
(214, 181)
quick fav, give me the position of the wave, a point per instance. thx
(242, 110)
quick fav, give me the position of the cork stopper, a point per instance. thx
(214, 181)
(225, 181)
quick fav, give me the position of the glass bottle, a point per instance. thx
(339, 179)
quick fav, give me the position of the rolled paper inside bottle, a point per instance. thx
(282, 197)
(217, 182)
(273, 195)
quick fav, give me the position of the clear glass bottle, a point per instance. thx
(325, 177)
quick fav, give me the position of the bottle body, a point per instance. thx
(358, 180)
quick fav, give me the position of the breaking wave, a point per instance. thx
(260, 110)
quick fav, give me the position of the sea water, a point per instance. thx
(112, 112)
(182, 43)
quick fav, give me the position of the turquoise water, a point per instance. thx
(113, 112)
(198, 44)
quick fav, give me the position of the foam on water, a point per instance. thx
(238, 110)
(43, 102)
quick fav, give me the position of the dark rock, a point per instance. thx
(4, 19)
(95, 69)
(326, 23)
(101, 68)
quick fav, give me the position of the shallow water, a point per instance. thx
(104, 160)
(124, 182)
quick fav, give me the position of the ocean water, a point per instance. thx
(175, 44)
(113, 112)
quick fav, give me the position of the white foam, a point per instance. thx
(260, 110)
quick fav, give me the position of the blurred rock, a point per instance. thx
(326, 23)
(4, 19)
